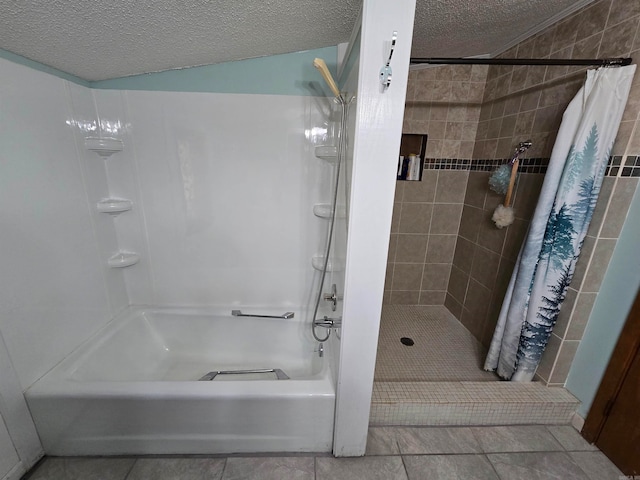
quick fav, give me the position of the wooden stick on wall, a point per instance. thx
(512, 181)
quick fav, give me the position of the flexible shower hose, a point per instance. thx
(342, 148)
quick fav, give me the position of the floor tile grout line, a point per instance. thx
(131, 469)
(404, 465)
(224, 468)
(493, 467)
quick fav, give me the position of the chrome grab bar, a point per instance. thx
(238, 313)
(280, 375)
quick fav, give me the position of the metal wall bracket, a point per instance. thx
(385, 71)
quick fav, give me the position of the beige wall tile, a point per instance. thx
(617, 40)
(463, 256)
(601, 206)
(393, 244)
(490, 236)
(527, 194)
(563, 362)
(411, 248)
(451, 186)
(485, 267)
(621, 198)
(621, 11)
(593, 19)
(477, 305)
(470, 223)
(458, 282)
(598, 266)
(436, 276)
(415, 218)
(583, 262)
(423, 191)
(453, 306)
(407, 276)
(477, 187)
(580, 317)
(446, 218)
(549, 357)
(516, 233)
(404, 298)
(441, 248)
(432, 297)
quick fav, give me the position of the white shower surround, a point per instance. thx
(134, 389)
(222, 188)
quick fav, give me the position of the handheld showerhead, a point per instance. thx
(326, 74)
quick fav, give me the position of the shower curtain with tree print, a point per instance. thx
(548, 256)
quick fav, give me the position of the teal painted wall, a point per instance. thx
(287, 74)
(619, 289)
(12, 57)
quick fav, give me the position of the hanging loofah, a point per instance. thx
(499, 180)
(503, 216)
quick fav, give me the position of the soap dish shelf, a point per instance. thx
(114, 206)
(317, 261)
(103, 146)
(327, 152)
(323, 210)
(123, 259)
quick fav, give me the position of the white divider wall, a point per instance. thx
(376, 137)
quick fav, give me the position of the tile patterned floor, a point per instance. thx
(393, 453)
(444, 350)
(440, 381)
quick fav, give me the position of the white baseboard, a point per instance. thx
(16, 472)
(577, 421)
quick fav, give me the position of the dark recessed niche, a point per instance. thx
(407, 341)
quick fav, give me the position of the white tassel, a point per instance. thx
(503, 216)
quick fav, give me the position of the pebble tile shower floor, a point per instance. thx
(443, 351)
(439, 380)
(393, 453)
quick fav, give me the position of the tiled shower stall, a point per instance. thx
(444, 249)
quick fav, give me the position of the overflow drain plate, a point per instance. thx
(407, 341)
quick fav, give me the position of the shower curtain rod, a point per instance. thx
(603, 62)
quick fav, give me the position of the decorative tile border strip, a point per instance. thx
(631, 167)
(527, 165)
(616, 166)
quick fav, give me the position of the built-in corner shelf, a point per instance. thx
(103, 146)
(327, 152)
(123, 259)
(323, 210)
(114, 206)
(317, 261)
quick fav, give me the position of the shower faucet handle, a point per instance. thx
(332, 297)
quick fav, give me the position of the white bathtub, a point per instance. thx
(134, 389)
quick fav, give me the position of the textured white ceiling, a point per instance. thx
(101, 39)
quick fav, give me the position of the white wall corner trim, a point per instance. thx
(378, 127)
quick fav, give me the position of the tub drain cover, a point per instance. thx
(407, 341)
